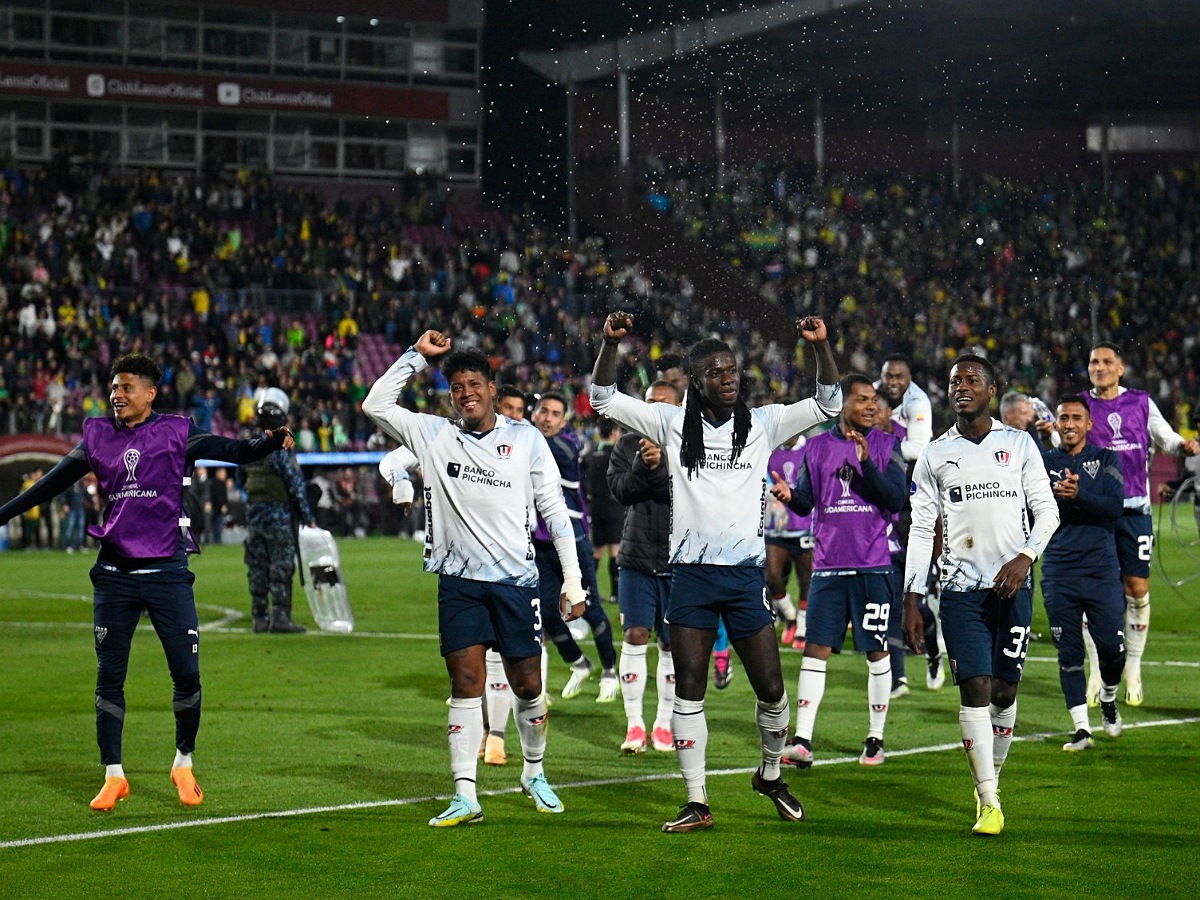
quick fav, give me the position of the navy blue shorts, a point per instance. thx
(1135, 542)
(643, 599)
(502, 616)
(801, 543)
(986, 635)
(1068, 598)
(702, 595)
(863, 600)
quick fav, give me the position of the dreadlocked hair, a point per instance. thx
(691, 451)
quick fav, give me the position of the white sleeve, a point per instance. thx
(1162, 435)
(805, 414)
(648, 419)
(414, 430)
(399, 465)
(926, 503)
(919, 413)
(1039, 497)
(548, 498)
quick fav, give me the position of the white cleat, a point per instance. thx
(581, 671)
(1133, 685)
(1111, 717)
(610, 689)
(935, 675)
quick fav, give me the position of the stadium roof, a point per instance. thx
(1084, 57)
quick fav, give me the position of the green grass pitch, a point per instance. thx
(323, 756)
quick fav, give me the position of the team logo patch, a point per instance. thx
(878, 707)
(968, 744)
(453, 469)
(801, 704)
(780, 734)
(1002, 457)
(682, 744)
(956, 495)
(1092, 466)
(498, 686)
(539, 720)
(101, 634)
(1055, 633)
(1114, 422)
(454, 729)
(504, 451)
(132, 456)
(1001, 732)
(671, 678)
(629, 677)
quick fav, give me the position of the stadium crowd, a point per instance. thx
(238, 282)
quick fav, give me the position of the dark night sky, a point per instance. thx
(525, 116)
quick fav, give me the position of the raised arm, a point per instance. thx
(410, 428)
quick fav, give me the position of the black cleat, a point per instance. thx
(692, 817)
(788, 807)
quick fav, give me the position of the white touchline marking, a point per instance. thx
(598, 782)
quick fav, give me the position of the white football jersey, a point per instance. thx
(482, 492)
(717, 515)
(915, 413)
(983, 492)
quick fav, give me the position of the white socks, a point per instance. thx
(465, 735)
(773, 721)
(182, 761)
(691, 743)
(809, 691)
(499, 695)
(664, 678)
(1003, 723)
(879, 686)
(116, 771)
(632, 668)
(1137, 626)
(532, 719)
(975, 722)
(1079, 718)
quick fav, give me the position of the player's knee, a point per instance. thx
(637, 635)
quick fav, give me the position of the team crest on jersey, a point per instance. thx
(504, 451)
(1002, 457)
(1092, 466)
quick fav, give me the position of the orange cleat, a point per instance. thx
(116, 787)
(189, 792)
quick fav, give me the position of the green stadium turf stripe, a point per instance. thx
(409, 801)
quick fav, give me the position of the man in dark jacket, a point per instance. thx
(607, 515)
(639, 481)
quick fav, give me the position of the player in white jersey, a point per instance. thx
(717, 449)
(982, 479)
(910, 404)
(1129, 423)
(485, 475)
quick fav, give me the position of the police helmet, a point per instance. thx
(272, 409)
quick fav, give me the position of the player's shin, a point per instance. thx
(499, 695)
(465, 733)
(809, 691)
(879, 687)
(633, 672)
(532, 720)
(1093, 661)
(773, 719)
(1137, 627)
(665, 682)
(690, 729)
(975, 723)
(1004, 722)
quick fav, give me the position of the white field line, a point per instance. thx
(409, 801)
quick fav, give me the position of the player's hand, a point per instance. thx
(284, 436)
(1067, 487)
(650, 453)
(616, 326)
(1164, 491)
(573, 599)
(860, 443)
(1190, 448)
(1012, 576)
(1046, 426)
(432, 343)
(780, 489)
(914, 627)
(812, 328)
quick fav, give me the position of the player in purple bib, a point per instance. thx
(852, 482)
(1129, 423)
(142, 460)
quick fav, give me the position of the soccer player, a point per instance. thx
(982, 478)
(484, 477)
(1127, 422)
(141, 460)
(638, 479)
(1080, 573)
(910, 404)
(550, 418)
(511, 402)
(607, 514)
(851, 481)
(716, 450)
(789, 540)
